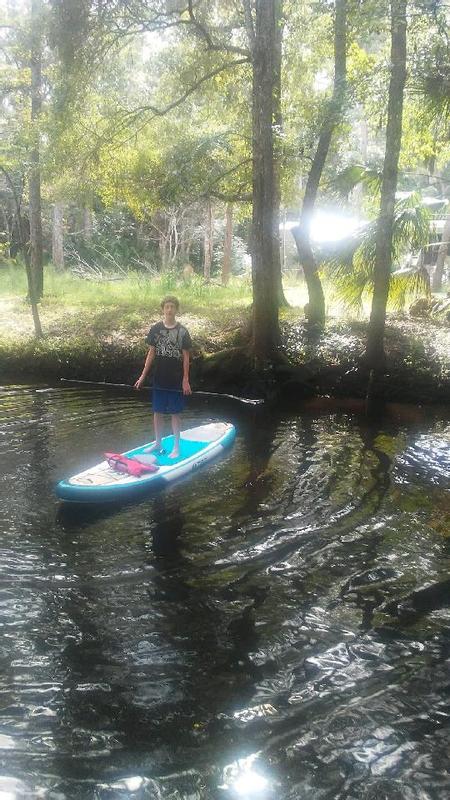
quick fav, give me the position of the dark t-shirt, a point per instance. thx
(169, 344)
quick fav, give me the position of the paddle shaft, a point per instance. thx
(245, 400)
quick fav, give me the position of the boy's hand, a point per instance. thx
(186, 386)
(139, 382)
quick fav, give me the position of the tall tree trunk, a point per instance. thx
(266, 267)
(442, 252)
(163, 250)
(23, 243)
(277, 140)
(185, 237)
(88, 223)
(383, 246)
(227, 245)
(140, 234)
(183, 241)
(34, 178)
(174, 240)
(58, 237)
(302, 233)
(208, 242)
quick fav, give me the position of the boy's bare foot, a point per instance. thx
(154, 448)
(174, 454)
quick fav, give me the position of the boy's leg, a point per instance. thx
(176, 424)
(158, 421)
(158, 428)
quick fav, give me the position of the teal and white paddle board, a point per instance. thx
(101, 483)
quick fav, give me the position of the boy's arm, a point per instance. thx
(186, 385)
(147, 366)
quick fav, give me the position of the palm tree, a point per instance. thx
(352, 272)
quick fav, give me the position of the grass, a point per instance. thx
(136, 290)
(122, 309)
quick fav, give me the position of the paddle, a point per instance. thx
(246, 400)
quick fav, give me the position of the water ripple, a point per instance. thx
(236, 635)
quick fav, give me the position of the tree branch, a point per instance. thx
(205, 34)
(435, 178)
(230, 171)
(160, 112)
(229, 198)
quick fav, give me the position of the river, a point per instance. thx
(250, 632)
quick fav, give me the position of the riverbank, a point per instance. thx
(108, 344)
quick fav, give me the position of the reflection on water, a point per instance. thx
(245, 634)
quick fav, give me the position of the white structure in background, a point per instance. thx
(439, 208)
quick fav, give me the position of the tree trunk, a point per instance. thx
(88, 223)
(34, 177)
(23, 243)
(140, 234)
(383, 254)
(173, 238)
(208, 242)
(277, 139)
(183, 242)
(302, 233)
(266, 267)
(383, 245)
(227, 245)
(163, 250)
(58, 237)
(442, 252)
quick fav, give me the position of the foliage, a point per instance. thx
(352, 272)
(134, 128)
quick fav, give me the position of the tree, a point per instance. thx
(34, 175)
(58, 236)
(21, 58)
(383, 248)
(264, 35)
(301, 233)
(23, 243)
(208, 241)
(227, 245)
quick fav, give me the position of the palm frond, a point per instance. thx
(351, 272)
(342, 183)
(411, 227)
(432, 82)
(405, 285)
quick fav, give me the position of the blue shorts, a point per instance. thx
(168, 401)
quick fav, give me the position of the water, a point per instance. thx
(229, 637)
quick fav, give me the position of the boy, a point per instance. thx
(170, 344)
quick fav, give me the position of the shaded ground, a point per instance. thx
(107, 344)
(418, 358)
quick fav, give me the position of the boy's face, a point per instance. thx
(169, 310)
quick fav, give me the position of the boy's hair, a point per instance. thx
(170, 299)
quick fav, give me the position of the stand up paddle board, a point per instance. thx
(104, 483)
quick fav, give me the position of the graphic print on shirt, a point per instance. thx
(168, 343)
